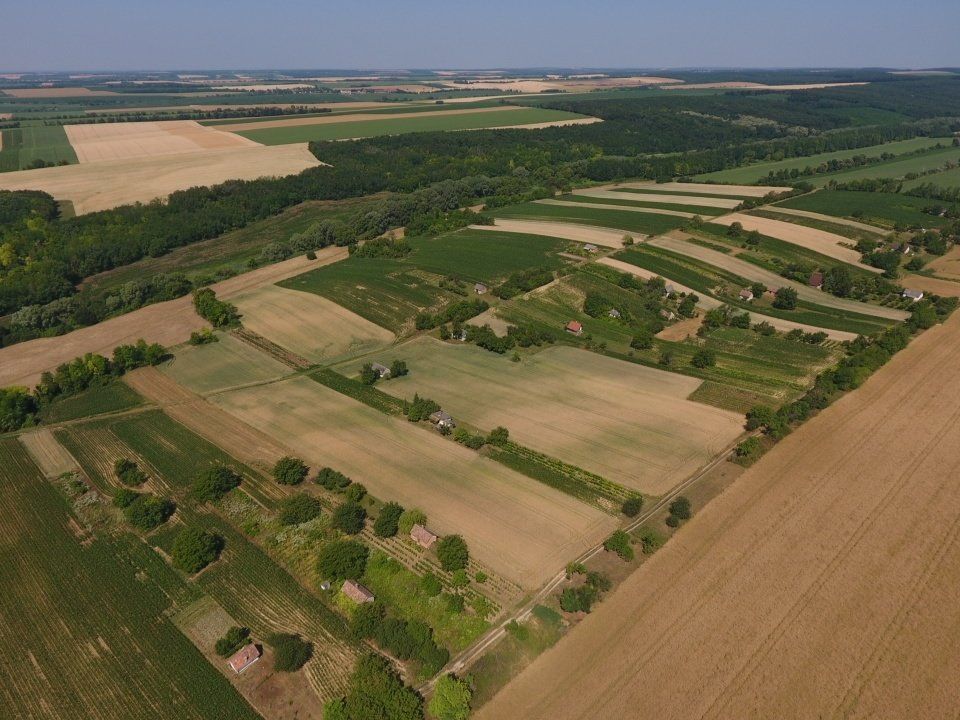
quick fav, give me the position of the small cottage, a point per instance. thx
(423, 537)
(480, 289)
(746, 295)
(590, 248)
(574, 328)
(357, 592)
(913, 294)
(816, 280)
(382, 371)
(442, 419)
(244, 658)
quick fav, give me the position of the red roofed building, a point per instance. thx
(244, 658)
(574, 327)
(816, 280)
(356, 592)
(423, 537)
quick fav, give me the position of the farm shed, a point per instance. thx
(382, 371)
(423, 537)
(574, 327)
(913, 294)
(442, 418)
(244, 658)
(590, 247)
(746, 294)
(614, 313)
(816, 280)
(357, 592)
(480, 289)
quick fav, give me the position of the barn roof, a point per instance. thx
(244, 658)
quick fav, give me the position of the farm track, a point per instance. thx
(741, 609)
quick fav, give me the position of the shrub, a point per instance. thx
(332, 480)
(643, 340)
(297, 509)
(123, 497)
(289, 471)
(480, 577)
(453, 553)
(203, 337)
(147, 511)
(431, 585)
(672, 521)
(290, 652)
(499, 436)
(650, 540)
(377, 691)
(748, 451)
(349, 518)
(128, 473)
(355, 492)
(194, 548)
(388, 521)
(680, 508)
(455, 603)
(704, 358)
(234, 639)
(343, 560)
(786, 299)
(368, 376)
(411, 517)
(459, 579)
(398, 368)
(632, 506)
(366, 619)
(215, 482)
(451, 699)
(619, 543)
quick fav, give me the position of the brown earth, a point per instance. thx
(823, 583)
(109, 183)
(760, 86)
(168, 323)
(829, 219)
(119, 141)
(565, 231)
(49, 455)
(947, 266)
(947, 288)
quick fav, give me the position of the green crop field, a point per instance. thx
(758, 172)
(223, 364)
(112, 397)
(837, 228)
(399, 125)
(484, 255)
(654, 189)
(614, 202)
(31, 142)
(947, 178)
(87, 621)
(886, 209)
(630, 221)
(932, 159)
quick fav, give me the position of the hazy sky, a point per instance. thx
(213, 34)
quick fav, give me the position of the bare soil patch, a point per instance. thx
(947, 266)
(830, 219)
(602, 206)
(109, 183)
(51, 457)
(566, 231)
(120, 141)
(947, 288)
(825, 243)
(705, 188)
(680, 331)
(821, 584)
(523, 529)
(709, 201)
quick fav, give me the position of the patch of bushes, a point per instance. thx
(343, 560)
(298, 509)
(376, 691)
(465, 437)
(195, 548)
(290, 652)
(619, 543)
(332, 480)
(348, 518)
(234, 639)
(215, 482)
(388, 521)
(453, 553)
(632, 506)
(128, 473)
(421, 408)
(216, 312)
(290, 471)
(147, 511)
(405, 640)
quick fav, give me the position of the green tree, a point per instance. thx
(388, 521)
(215, 482)
(378, 693)
(451, 699)
(348, 518)
(632, 505)
(147, 511)
(297, 509)
(838, 281)
(453, 553)
(499, 436)
(290, 652)
(123, 497)
(194, 548)
(643, 340)
(411, 517)
(431, 585)
(398, 368)
(290, 471)
(619, 543)
(786, 299)
(343, 560)
(680, 508)
(758, 289)
(368, 376)
(128, 473)
(704, 358)
(234, 639)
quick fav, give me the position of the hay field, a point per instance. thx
(168, 323)
(823, 583)
(946, 266)
(828, 219)
(703, 188)
(707, 201)
(608, 206)
(523, 529)
(54, 92)
(119, 141)
(224, 364)
(820, 241)
(308, 324)
(49, 455)
(739, 85)
(629, 423)
(106, 184)
(565, 231)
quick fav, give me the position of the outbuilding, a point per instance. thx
(423, 537)
(244, 658)
(913, 294)
(480, 289)
(590, 247)
(816, 280)
(357, 592)
(382, 371)
(442, 419)
(614, 313)
(746, 295)
(574, 328)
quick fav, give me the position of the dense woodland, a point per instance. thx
(43, 257)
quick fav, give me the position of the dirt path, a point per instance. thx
(675, 243)
(825, 243)
(823, 583)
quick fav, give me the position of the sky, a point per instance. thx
(47, 35)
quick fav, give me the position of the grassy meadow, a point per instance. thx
(884, 209)
(627, 220)
(32, 142)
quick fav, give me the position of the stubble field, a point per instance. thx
(739, 615)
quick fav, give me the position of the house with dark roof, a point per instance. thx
(442, 419)
(357, 592)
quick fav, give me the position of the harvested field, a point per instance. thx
(308, 324)
(739, 85)
(753, 272)
(625, 267)
(565, 231)
(680, 331)
(549, 123)
(49, 455)
(53, 92)
(602, 206)
(704, 188)
(947, 288)
(168, 323)
(710, 201)
(568, 85)
(106, 184)
(120, 141)
(819, 241)
(946, 266)
(850, 523)
(628, 423)
(829, 219)
(221, 365)
(523, 529)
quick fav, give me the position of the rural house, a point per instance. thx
(356, 592)
(913, 294)
(480, 289)
(614, 313)
(574, 327)
(382, 371)
(423, 537)
(816, 280)
(244, 658)
(442, 419)
(668, 290)
(746, 295)
(590, 247)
